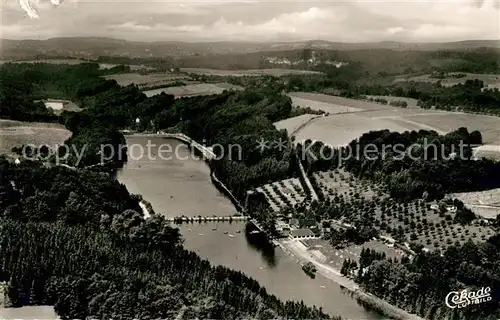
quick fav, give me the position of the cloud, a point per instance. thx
(208, 20)
(31, 6)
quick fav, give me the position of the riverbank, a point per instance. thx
(299, 252)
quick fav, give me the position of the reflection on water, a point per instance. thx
(259, 242)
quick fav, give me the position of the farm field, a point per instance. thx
(489, 151)
(292, 124)
(488, 79)
(283, 193)
(149, 80)
(193, 90)
(16, 133)
(241, 73)
(483, 203)
(413, 221)
(317, 100)
(489, 126)
(318, 105)
(340, 129)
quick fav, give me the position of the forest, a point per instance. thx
(406, 283)
(54, 219)
(78, 240)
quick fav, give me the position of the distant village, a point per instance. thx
(313, 60)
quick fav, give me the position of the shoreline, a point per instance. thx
(299, 253)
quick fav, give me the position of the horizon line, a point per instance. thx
(254, 42)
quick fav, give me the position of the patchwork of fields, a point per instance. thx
(16, 133)
(340, 129)
(241, 73)
(194, 90)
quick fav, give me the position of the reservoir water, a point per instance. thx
(183, 187)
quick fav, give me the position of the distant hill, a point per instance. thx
(92, 47)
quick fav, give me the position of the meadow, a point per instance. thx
(294, 123)
(340, 129)
(193, 90)
(249, 72)
(16, 133)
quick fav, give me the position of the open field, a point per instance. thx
(283, 193)
(483, 203)
(16, 133)
(489, 151)
(318, 105)
(200, 89)
(29, 313)
(488, 79)
(340, 129)
(58, 106)
(316, 101)
(489, 126)
(251, 72)
(292, 124)
(414, 221)
(149, 80)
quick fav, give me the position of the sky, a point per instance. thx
(253, 20)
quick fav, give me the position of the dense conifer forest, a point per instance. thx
(77, 240)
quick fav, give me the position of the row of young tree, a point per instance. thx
(77, 240)
(410, 164)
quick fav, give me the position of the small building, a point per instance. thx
(302, 234)
(451, 208)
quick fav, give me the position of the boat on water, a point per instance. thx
(231, 236)
(310, 269)
(225, 232)
(239, 231)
